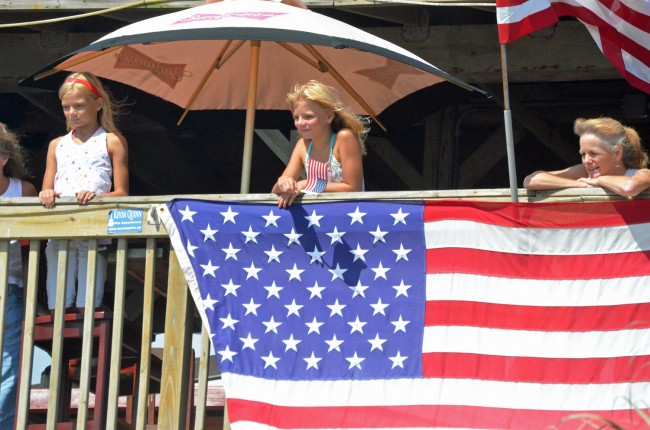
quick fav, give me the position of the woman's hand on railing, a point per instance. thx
(47, 198)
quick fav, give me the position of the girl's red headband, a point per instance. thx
(84, 83)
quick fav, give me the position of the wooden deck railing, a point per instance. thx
(150, 275)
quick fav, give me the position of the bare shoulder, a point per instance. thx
(116, 141)
(28, 189)
(345, 136)
(345, 133)
(301, 147)
(55, 141)
(346, 141)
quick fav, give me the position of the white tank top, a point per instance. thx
(631, 172)
(83, 167)
(15, 260)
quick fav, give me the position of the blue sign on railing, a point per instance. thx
(125, 221)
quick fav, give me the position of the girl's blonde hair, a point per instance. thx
(10, 148)
(613, 133)
(329, 100)
(88, 85)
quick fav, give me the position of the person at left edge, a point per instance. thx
(12, 172)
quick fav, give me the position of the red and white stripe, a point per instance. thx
(315, 170)
(535, 313)
(620, 28)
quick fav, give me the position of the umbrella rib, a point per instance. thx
(216, 64)
(225, 56)
(316, 65)
(337, 76)
(89, 56)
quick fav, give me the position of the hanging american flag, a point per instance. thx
(449, 314)
(620, 28)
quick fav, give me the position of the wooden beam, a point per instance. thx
(404, 16)
(431, 144)
(275, 140)
(471, 53)
(25, 53)
(396, 161)
(543, 131)
(444, 159)
(486, 156)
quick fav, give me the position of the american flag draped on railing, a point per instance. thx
(620, 28)
(449, 314)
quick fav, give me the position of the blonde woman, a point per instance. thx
(612, 158)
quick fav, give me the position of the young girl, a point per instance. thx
(12, 170)
(330, 147)
(87, 162)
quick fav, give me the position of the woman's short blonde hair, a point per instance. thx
(612, 133)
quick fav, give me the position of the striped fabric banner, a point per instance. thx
(620, 28)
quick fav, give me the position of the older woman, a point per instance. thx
(612, 158)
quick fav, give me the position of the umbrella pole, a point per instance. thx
(250, 117)
(507, 122)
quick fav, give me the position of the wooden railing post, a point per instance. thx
(147, 332)
(176, 352)
(53, 405)
(27, 360)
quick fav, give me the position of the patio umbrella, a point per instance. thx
(248, 54)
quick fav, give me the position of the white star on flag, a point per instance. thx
(208, 233)
(401, 253)
(291, 343)
(187, 214)
(355, 361)
(293, 237)
(312, 361)
(249, 342)
(334, 344)
(229, 215)
(356, 216)
(209, 302)
(270, 360)
(274, 255)
(271, 219)
(336, 236)
(191, 248)
(313, 219)
(399, 217)
(378, 235)
(252, 271)
(209, 269)
(231, 252)
(316, 255)
(336, 308)
(294, 273)
(250, 235)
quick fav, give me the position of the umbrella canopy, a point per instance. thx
(249, 54)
